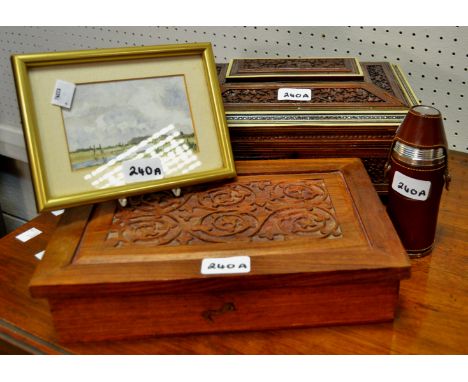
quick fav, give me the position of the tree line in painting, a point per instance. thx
(97, 155)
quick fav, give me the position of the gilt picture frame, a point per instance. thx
(110, 123)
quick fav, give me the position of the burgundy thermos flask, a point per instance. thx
(417, 171)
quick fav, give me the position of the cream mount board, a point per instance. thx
(435, 59)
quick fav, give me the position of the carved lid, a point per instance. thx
(287, 68)
(301, 222)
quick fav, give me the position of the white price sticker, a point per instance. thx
(290, 94)
(39, 255)
(28, 235)
(411, 188)
(144, 169)
(63, 94)
(57, 212)
(225, 265)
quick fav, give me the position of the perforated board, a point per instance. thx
(435, 59)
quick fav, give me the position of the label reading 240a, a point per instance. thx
(140, 170)
(411, 188)
(225, 265)
(290, 94)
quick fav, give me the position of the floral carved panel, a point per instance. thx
(319, 95)
(243, 211)
(379, 78)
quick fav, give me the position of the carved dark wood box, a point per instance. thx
(321, 247)
(354, 110)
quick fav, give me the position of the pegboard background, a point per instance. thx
(435, 59)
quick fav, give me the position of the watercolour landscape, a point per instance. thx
(107, 119)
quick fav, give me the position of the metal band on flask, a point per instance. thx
(418, 157)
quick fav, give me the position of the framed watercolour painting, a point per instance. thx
(110, 123)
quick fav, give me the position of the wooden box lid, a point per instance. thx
(301, 222)
(294, 68)
(378, 89)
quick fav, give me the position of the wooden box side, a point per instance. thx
(121, 317)
(369, 143)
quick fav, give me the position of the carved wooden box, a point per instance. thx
(354, 109)
(321, 248)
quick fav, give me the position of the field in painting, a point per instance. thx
(97, 156)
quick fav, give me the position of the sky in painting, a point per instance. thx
(110, 113)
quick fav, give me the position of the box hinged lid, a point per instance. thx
(371, 93)
(301, 222)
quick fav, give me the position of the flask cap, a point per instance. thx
(420, 140)
(422, 128)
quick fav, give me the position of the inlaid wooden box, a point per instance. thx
(354, 110)
(321, 247)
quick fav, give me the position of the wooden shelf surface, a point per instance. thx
(432, 316)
